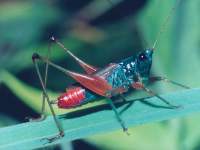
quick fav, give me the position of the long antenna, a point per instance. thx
(164, 25)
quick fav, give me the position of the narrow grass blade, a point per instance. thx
(100, 119)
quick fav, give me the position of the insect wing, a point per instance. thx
(92, 82)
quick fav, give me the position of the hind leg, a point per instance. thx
(89, 69)
(61, 132)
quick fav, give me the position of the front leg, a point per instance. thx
(159, 78)
(125, 129)
(140, 85)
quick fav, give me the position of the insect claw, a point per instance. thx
(126, 131)
(52, 139)
(31, 119)
(47, 140)
(177, 107)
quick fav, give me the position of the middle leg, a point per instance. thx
(125, 129)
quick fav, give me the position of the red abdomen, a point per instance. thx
(71, 98)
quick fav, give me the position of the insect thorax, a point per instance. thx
(128, 66)
(123, 74)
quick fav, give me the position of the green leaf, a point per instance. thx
(98, 120)
(151, 136)
(24, 22)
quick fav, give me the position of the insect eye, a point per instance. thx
(142, 57)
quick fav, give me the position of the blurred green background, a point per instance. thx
(100, 32)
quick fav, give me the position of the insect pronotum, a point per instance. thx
(114, 79)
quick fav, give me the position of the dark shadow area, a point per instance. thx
(83, 145)
(118, 103)
(12, 106)
(197, 146)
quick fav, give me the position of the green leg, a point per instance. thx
(162, 99)
(125, 129)
(159, 78)
(123, 98)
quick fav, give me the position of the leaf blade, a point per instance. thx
(29, 134)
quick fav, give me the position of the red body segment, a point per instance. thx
(71, 98)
